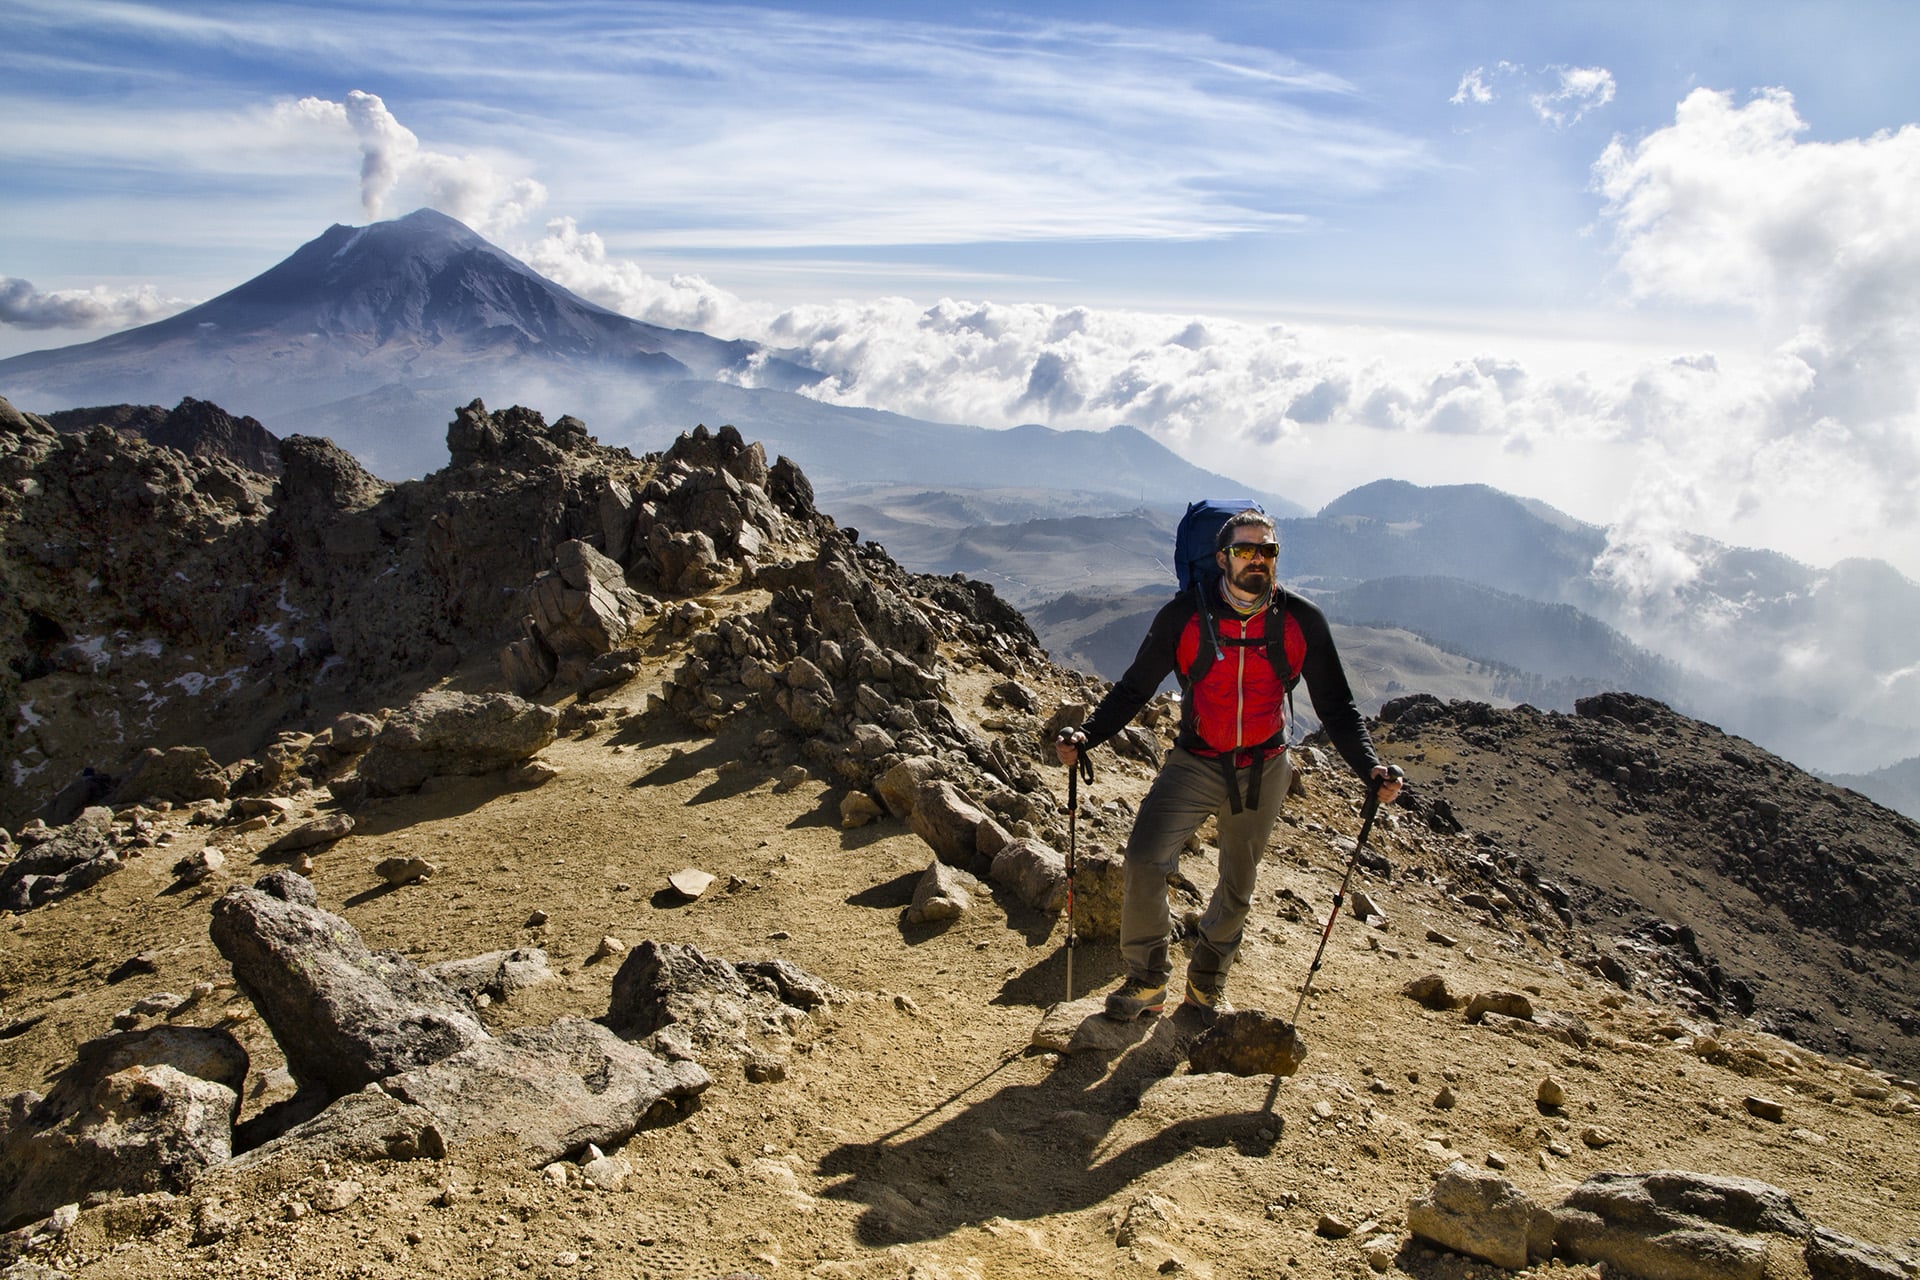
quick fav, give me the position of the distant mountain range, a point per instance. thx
(374, 335)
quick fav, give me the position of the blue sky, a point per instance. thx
(1652, 263)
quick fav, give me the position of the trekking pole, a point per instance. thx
(1081, 765)
(1367, 812)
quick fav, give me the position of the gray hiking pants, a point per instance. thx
(1188, 790)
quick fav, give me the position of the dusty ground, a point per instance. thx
(915, 1134)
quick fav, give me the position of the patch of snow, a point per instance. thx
(27, 716)
(21, 773)
(95, 650)
(151, 647)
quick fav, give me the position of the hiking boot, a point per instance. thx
(1135, 998)
(1206, 1000)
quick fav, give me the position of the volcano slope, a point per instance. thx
(911, 1127)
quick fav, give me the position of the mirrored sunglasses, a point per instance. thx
(1248, 550)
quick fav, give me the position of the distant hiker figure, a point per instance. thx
(1238, 642)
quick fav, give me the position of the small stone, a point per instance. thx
(766, 1069)
(1332, 1227)
(607, 1173)
(144, 962)
(397, 871)
(1440, 939)
(1495, 1160)
(556, 1173)
(536, 919)
(338, 1195)
(1430, 990)
(1446, 1099)
(1766, 1108)
(196, 867)
(1596, 1137)
(608, 947)
(690, 882)
(1551, 1093)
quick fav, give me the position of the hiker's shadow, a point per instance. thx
(1029, 1150)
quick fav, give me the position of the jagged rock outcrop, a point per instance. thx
(196, 428)
(137, 1111)
(343, 1015)
(140, 577)
(581, 609)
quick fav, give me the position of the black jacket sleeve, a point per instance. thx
(1151, 666)
(1327, 687)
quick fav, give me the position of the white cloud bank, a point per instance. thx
(24, 307)
(1806, 440)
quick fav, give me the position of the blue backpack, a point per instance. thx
(1194, 542)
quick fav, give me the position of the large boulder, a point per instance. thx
(899, 787)
(1676, 1225)
(343, 1015)
(554, 1089)
(1482, 1215)
(441, 733)
(1036, 875)
(497, 975)
(664, 985)
(582, 608)
(75, 856)
(138, 1111)
(948, 821)
(180, 775)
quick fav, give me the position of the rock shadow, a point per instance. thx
(1045, 982)
(1027, 1151)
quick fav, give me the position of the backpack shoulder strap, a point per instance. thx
(1287, 659)
(1285, 664)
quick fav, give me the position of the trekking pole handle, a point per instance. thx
(1394, 774)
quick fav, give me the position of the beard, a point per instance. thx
(1252, 578)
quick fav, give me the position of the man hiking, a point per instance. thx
(1229, 758)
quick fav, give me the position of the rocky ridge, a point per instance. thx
(861, 754)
